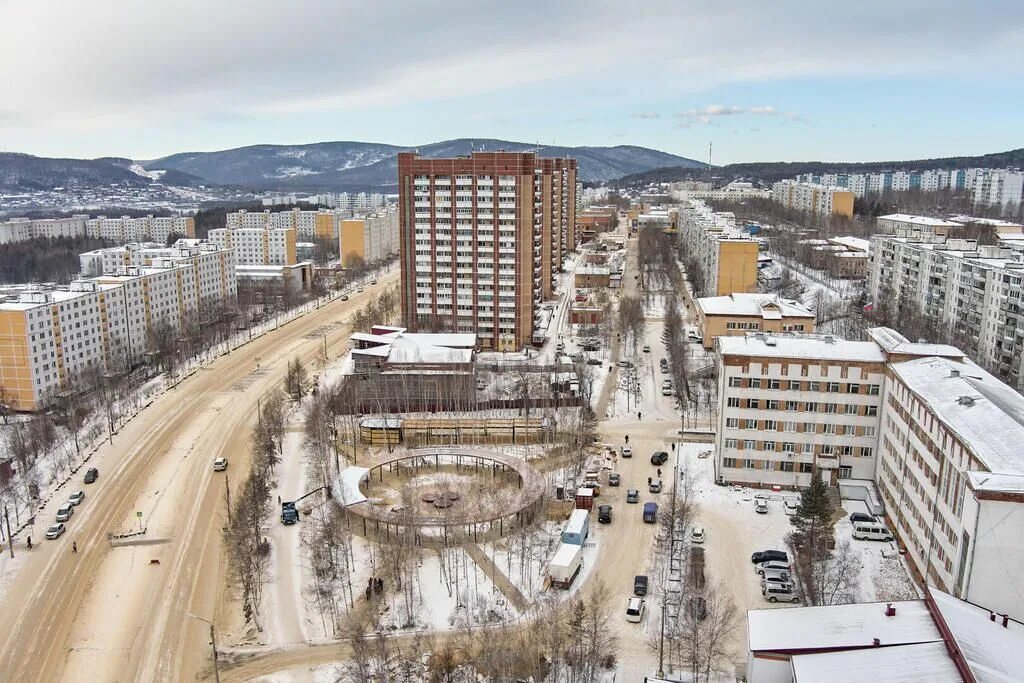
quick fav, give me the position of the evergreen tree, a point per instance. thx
(813, 517)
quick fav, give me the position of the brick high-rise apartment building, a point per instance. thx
(482, 239)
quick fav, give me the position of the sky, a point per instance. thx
(758, 81)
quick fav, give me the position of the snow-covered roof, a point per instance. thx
(855, 243)
(764, 305)
(918, 220)
(839, 626)
(895, 343)
(993, 652)
(987, 415)
(346, 488)
(995, 223)
(399, 346)
(803, 346)
(996, 483)
(897, 664)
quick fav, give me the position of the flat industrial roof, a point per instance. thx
(752, 305)
(897, 664)
(804, 347)
(919, 220)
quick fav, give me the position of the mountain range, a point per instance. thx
(331, 166)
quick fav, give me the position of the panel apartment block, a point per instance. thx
(473, 236)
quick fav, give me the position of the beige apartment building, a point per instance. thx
(739, 314)
(727, 255)
(309, 225)
(258, 246)
(813, 198)
(370, 239)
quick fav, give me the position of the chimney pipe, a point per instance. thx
(991, 616)
(890, 611)
(1006, 620)
(876, 642)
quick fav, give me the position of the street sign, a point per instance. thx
(139, 515)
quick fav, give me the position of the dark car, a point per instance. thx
(659, 458)
(594, 361)
(91, 475)
(767, 555)
(861, 517)
(604, 514)
(639, 585)
(632, 496)
(698, 608)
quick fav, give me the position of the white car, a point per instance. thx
(626, 451)
(65, 511)
(76, 498)
(635, 610)
(220, 464)
(54, 531)
(790, 506)
(697, 535)
(772, 566)
(761, 506)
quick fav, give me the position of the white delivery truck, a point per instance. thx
(577, 528)
(565, 565)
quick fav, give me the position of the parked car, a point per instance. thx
(769, 555)
(640, 584)
(626, 451)
(359, 290)
(604, 514)
(659, 458)
(624, 364)
(647, 348)
(790, 506)
(654, 486)
(774, 593)
(76, 498)
(593, 361)
(760, 505)
(344, 297)
(775, 576)
(220, 464)
(698, 607)
(861, 517)
(697, 535)
(560, 346)
(65, 511)
(650, 512)
(91, 475)
(664, 369)
(666, 388)
(54, 531)
(635, 610)
(373, 281)
(632, 496)
(773, 566)
(614, 479)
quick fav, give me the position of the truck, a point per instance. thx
(584, 498)
(650, 512)
(565, 565)
(577, 528)
(289, 515)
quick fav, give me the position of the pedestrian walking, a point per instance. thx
(30, 543)
(648, 481)
(638, 416)
(627, 438)
(74, 546)
(659, 472)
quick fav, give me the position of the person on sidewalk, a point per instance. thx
(29, 543)
(74, 547)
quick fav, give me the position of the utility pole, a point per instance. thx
(10, 539)
(227, 496)
(213, 644)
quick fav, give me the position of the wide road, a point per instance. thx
(124, 613)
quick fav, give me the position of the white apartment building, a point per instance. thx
(951, 476)
(790, 404)
(813, 198)
(1000, 187)
(372, 237)
(726, 253)
(24, 229)
(258, 246)
(309, 225)
(125, 229)
(48, 339)
(971, 292)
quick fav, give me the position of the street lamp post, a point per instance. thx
(213, 644)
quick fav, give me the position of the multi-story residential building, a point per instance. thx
(473, 233)
(308, 224)
(125, 229)
(1000, 187)
(813, 198)
(258, 246)
(908, 225)
(370, 238)
(951, 477)
(49, 339)
(861, 184)
(792, 404)
(739, 314)
(727, 255)
(938, 434)
(24, 229)
(971, 292)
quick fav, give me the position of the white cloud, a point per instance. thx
(95, 65)
(647, 115)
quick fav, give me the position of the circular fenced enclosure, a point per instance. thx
(446, 496)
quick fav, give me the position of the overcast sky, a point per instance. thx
(778, 80)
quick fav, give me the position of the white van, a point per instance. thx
(774, 593)
(871, 531)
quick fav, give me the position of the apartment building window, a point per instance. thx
(830, 428)
(846, 450)
(853, 388)
(849, 430)
(811, 406)
(730, 443)
(732, 422)
(733, 402)
(749, 444)
(750, 464)
(769, 445)
(772, 405)
(790, 427)
(872, 411)
(866, 451)
(771, 426)
(851, 408)
(815, 386)
(788, 447)
(808, 448)
(750, 424)
(735, 382)
(755, 382)
(786, 466)
(832, 387)
(729, 462)
(874, 389)
(791, 405)
(794, 385)
(831, 408)
(774, 384)
(806, 467)
(753, 403)
(869, 431)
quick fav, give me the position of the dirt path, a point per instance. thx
(497, 577)
(109, 611)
